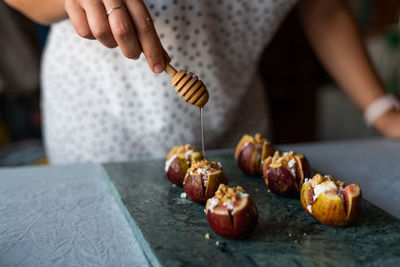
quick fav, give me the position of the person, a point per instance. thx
(101, 103)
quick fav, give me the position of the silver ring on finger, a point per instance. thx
(112, 9)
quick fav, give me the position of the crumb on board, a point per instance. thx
(217, 243)
(304, 234)
(295, 241)
(290, 234)
(183, 195)
(269, 191)
(207, 236)
(173, 185)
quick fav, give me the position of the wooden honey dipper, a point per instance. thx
(190, 88)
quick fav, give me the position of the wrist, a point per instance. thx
(386, 124)
(379, 107)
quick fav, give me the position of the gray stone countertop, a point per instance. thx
(68, 216)
(171, 230)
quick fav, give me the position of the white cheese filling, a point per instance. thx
(228, 204)
(340, 192)
(219, 165)
(203, 174)
(213, 202)
(168, 162)
(309, 208)
(324, 187)
(328, 185)
(187, 156)
(292, 167)
(243, 195)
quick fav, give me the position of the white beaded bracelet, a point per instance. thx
(380, 106)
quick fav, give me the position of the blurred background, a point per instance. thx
(298, 88)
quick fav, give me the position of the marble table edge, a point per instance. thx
(148, 252)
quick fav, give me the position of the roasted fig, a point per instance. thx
(179, 160)
(330, 201)
(284, 174)
(231, 213)
(251, 151)
(202, 180)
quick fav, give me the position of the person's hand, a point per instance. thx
(130, 27)
(389, 124)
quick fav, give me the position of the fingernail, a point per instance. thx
(158, 68)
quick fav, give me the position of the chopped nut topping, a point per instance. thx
(258, 139)
(204, 165)
(328, 183)
(281, 160)
(226, 193)
(319, 179)
(186, 150)
(204, 169)
(340, 184)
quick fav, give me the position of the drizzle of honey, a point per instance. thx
(202, 132)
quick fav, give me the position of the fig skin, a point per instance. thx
(329, 208)
(238, 225)
(193, 184)
(177, 170)
(251, 151)
(181, 162)
(280, 180)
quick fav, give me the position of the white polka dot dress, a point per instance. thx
(99, 106)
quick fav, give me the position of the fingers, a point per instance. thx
(147, 36)
(78, 19)
(98, 23)
(166, 56)
(131, 28)
(123, 30)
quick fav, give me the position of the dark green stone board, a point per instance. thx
(171, 230)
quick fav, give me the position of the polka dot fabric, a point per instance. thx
(99, 106)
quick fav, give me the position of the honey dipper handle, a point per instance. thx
(170, 70)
